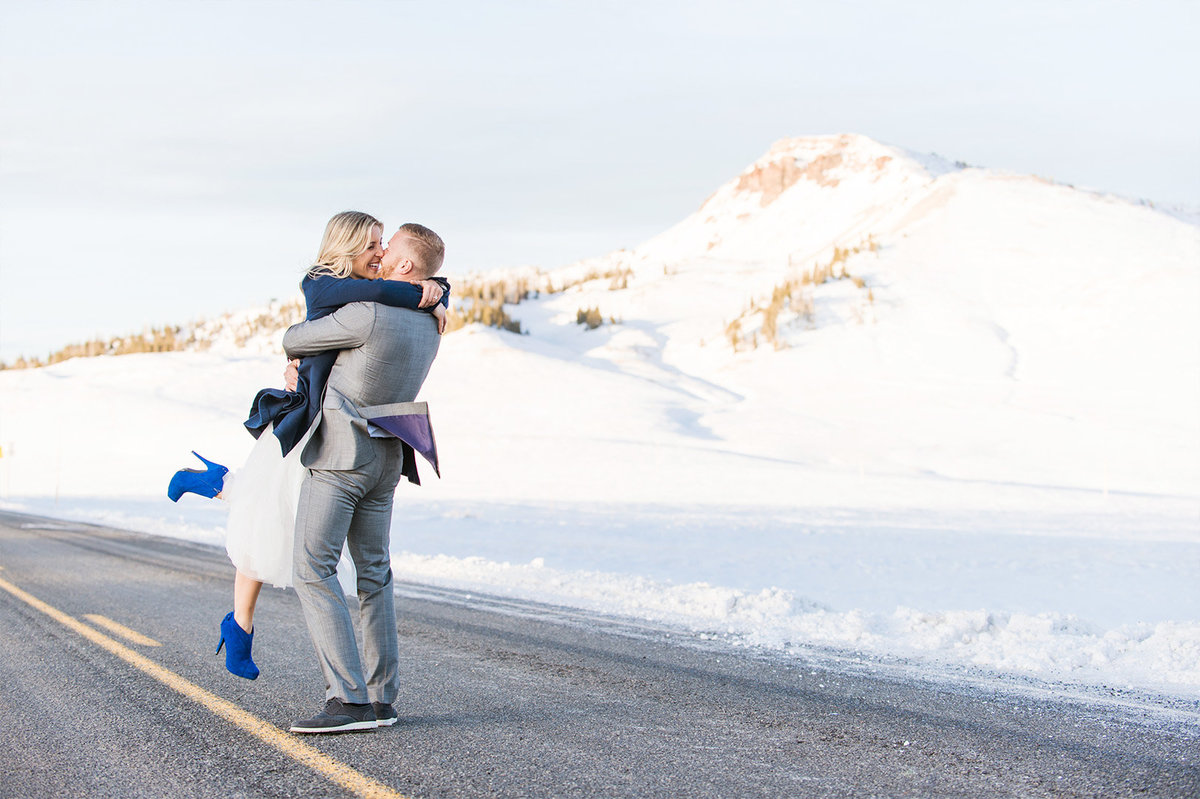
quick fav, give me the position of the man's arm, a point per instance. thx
(348, 327)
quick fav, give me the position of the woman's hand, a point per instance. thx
(291, 374)
(431, 293)
(439, 313)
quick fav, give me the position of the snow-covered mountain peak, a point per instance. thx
(803, 196)
(823, 160)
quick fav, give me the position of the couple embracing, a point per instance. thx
(318, 486)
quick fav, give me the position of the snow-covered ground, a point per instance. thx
(987, 454)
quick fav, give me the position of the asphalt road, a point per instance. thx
(500, 698)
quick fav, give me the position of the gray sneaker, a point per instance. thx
(338, 716)
(385, 715)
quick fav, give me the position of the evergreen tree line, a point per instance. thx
(154, 339)
(173, 338)
(481, 300)
(796, 296)
(592, 318)
(476, 300)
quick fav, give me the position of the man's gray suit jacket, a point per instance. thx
(386, 355)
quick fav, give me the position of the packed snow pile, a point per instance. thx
(860, 398)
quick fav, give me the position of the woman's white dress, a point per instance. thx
(263, 496)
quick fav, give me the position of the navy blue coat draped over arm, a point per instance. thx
(293, 412)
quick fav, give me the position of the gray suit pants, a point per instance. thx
(352, 507)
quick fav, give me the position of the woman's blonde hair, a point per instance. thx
(347, 236)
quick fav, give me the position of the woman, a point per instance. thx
(264, 493)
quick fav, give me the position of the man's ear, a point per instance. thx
(406, 266)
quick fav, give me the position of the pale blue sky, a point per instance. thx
(164, 160)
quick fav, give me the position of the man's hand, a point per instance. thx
(431, 293)
(439, 313)
(291, 374)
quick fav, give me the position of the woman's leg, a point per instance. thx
(245, 597)
(237, 628)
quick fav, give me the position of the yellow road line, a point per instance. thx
(120, 629)
(302, 753)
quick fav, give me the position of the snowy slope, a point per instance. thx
(1008, 329)
(986, 453)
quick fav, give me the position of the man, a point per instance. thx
(347, 496)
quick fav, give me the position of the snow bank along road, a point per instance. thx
(109, 688)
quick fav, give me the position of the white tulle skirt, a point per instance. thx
(263, 496)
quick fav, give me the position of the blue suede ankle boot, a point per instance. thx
(207, 483)
(237, 644)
